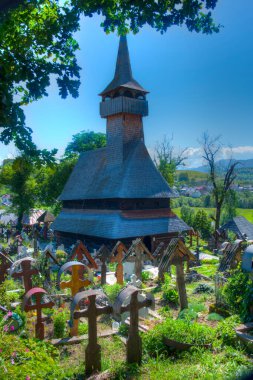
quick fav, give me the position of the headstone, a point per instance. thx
(135, 281)
(75, 284)
(128, 269)
(25, 273)
(93, 349)
(134, 344)
(35, 295)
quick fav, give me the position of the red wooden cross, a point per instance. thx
(81, 252)
(38, 293)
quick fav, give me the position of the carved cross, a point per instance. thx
(75, 285)
(103, 254)
(134, 344)
(49, 256)
(5, 264)
(81, 252)
(138, 247)
(117, 257)
(93, 349)
(26, 273)
(38, 305)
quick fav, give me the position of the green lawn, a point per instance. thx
(247, 213)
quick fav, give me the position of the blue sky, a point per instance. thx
(196, 83)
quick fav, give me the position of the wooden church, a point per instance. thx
(116, 193)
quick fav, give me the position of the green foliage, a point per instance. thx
(60, 318)
(84, 141)
(112, 291)
(123, 329)
(145, 276)
(169, 293)
(238, 294)
(82, 328)
(179, 330)
(202, 223)
(215, 317)
(230, 204)
(21, 359)
(225, 331)
(203, 288)
(188, 315)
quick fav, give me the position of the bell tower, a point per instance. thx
(123, 105)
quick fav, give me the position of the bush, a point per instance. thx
(83, 328)
(60, 318)
(188, 315)
(123, 329)
(238, 294)
(203, 288)
(178, 330)
(112, 291)
(225, 331)
(169, 294)
(215, 317)
(145, 276)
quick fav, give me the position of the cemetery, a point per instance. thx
(109, 282)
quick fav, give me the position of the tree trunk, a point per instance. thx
(217, 223)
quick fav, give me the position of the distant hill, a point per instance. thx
(198, 175)
(223, 164)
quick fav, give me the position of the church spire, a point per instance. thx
(123, 72)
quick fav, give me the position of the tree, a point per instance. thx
(202, 223)
(187, 214)
(167, 161)
(17, 175)
(37, 42)
(221, 178)
(83, 141)
(230, 205)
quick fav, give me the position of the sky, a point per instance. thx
(197, 83)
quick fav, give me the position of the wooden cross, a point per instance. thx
(38, 293)
(138, 247)
(134, 344)
(5, 264)
(49, 256)
(26, 272)
(93, 349)
(75, 284)
(35, 242)
(117, 257)
(81, 252)
(103, 254)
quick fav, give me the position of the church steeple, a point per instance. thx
(123, 72)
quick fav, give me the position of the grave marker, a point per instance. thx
(26, 272)
(93, 349)
(5, 264)
(117, 257)
(28, 305)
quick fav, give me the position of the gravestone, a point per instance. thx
(138, 250)
(25, 273)
(103, 255)
(134, 344)
(93, 349)
(75, 284)
(33, 301)
(117, 256)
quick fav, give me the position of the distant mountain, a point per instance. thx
(243, 164)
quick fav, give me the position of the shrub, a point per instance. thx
(169, 294)
(238, 294)
(188, 315)
(83, 328)
(123, 329)
(179, 330)
(60, 317)
(215, 317)
(225, 331)
(112, 291)
(203, 288)
(145, 276)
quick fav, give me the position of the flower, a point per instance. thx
(9, 314)
(12, 328)
(6, 328)
(12, 361)
(14, 354)
(27, 350)
(27, 378)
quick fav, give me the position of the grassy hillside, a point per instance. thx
(191, 177)
(247, 213)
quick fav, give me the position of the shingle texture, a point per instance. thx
(123, 73)
(240, 226)
(113, 225)
(137, 177)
